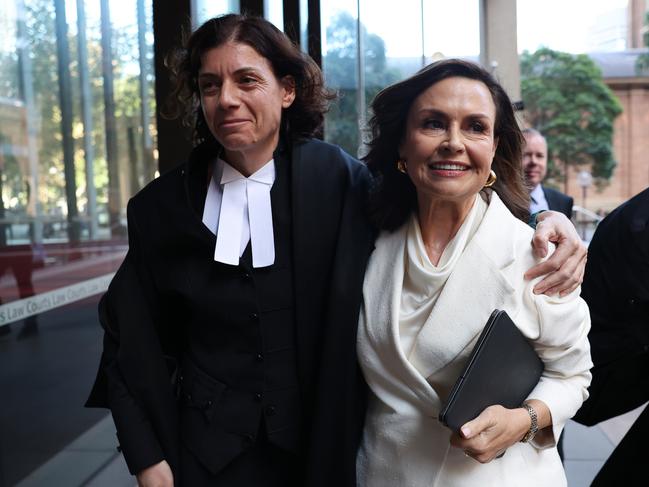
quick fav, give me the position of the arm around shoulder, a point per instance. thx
(564, 271)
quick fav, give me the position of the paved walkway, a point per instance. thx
(586, 449)
(91, 460)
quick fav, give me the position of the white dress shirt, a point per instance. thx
(537, 200)
(238, 210)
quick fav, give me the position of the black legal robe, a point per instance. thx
(616, 288)
(145, 307)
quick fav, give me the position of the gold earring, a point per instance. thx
(491, 179)
(401, 166)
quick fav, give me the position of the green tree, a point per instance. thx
(341, 74)
(566, 99)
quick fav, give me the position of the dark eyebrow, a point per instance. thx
(479, 116)
(438, 113)
(246, 69)
(243, 70)
(432, 112)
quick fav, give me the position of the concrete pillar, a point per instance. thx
(635, 27)
(498, 44)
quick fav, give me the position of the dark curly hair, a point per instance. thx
(394, 196)
(305, 116)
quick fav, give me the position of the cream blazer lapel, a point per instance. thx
(455, 321)
(458, 316)
(386, 368)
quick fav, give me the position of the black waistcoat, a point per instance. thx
(239, 364)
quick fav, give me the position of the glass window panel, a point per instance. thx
(77, 140)
(393, 42)
(340, 65)
(203, 10)
(274, 12)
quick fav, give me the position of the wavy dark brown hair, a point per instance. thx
(394, 196)
(305, 116)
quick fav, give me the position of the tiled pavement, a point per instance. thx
(586, 449)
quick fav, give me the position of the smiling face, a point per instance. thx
(535, 159)
(242, 102)
(449, 141)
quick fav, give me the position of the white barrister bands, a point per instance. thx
(39, 303)
(238, 210)
(228, 239)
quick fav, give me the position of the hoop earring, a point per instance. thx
(491, 179)
(401, 166)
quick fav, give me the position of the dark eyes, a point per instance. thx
(433, 123)
(246, 80)
(477, 127)
(437, 124)
(209, 86)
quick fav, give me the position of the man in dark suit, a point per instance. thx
(616, 288)
(535, 165)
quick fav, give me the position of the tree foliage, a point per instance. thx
(566, 99)
(642, 63)
(341, 74)
(41, 41)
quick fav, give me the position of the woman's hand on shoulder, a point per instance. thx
(492, 432)
(158, 475)
(564, 270)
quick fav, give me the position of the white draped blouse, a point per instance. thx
(423, 281)
(417, 327)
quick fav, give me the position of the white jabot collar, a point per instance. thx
(238, 210)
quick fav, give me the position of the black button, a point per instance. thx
(259, 396)
(270, 410)
(254, 317)
(119, 448)
(259, 357)
(248, 440)
(208, 404)
(246, 276)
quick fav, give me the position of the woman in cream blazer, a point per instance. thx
(451, 252)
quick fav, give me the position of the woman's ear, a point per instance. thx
(288, 84)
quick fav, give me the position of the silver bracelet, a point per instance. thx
(534, 427)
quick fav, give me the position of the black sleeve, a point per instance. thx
(133, 379)
(336, 431)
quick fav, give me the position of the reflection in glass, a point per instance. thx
(77, 140)
(203, 10)
(274, 12)
(339, 60)
(77, 130)
(373, 44)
